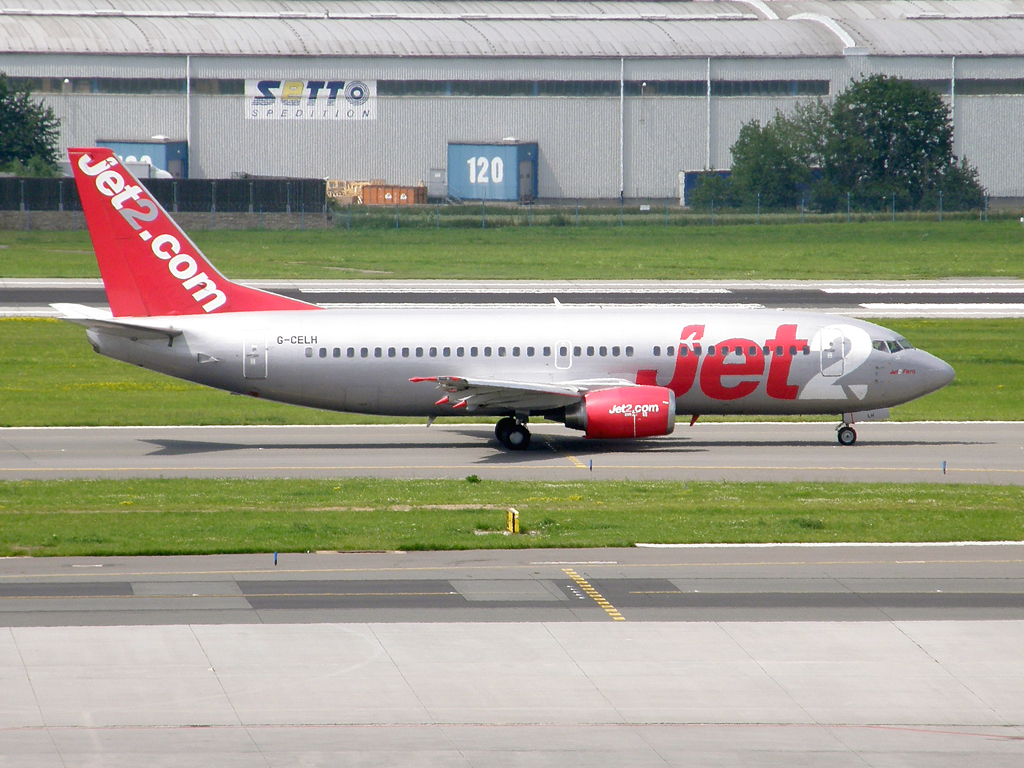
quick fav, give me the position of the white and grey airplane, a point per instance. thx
(610, 371)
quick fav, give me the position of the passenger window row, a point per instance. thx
(725, 349)
(591, 351)
(352, 352)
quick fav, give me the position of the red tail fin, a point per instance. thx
(149, 265)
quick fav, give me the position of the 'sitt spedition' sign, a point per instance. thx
(311, 99)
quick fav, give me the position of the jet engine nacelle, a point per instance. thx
(624, 412)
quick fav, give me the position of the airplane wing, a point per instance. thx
(90, 317)
(471, 394)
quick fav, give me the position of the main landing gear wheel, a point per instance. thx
(517, 438)
(846, 435)
(511, 434)
(501, 429)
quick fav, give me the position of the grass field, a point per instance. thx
(50, 376)
(865, 250)
(106, 517)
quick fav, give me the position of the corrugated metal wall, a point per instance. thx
(86, 118)
(578, 137)
(991, 130)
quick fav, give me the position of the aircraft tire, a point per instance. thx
(501, 429)
(846, 436)
(517, 438)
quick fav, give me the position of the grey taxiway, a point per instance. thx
(726, 656)
(940, 452)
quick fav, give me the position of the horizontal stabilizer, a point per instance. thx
(137, 328)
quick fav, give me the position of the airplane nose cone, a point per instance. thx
(940, 373)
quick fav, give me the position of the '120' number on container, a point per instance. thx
(484, 171)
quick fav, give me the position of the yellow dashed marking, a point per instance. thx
(592, 593)
(572, 459)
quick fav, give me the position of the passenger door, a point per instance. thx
(833, 352)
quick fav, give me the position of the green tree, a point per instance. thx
(889, 137)
(712, 188)
(28, 131)
(777, 159)
(883, 137)
(765, 165)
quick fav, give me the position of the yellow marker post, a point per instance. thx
(512, 520)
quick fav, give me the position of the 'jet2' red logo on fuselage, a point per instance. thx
(748, 369)
(166, 247)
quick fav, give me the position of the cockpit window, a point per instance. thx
(891, 345)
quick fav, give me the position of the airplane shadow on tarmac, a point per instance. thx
(187, 447)
(543, 446)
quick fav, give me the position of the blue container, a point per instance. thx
(506, 171)
(170, 156)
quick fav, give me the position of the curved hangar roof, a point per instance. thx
(500, 28)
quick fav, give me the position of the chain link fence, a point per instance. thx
(303, 203)
(232, 203)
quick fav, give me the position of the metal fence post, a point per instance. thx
(483, 214)
(60, 189)
(288, 192)
(22, 185)
(894, 206)
(847, 207)
(940, 205)
(712, 211)
(759, 208)
(801, 209)
(437, 215)
(577, 211)
(251, 196)
(213, 201)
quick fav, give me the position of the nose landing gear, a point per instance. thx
(512, 433)
(846, 434)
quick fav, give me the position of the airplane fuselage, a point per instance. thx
(716, 361)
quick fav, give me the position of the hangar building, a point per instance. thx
(618, 97)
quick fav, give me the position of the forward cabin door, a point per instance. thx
(833, 352)
(254, 360)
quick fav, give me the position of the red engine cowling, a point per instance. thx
(624, 412)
